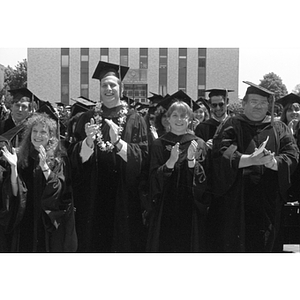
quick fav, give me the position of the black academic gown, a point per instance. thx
(11, 131)
(178, 217)
(245, 213)
(206, 130)
(4, 172)
(6, 124)
(41, 217)
(108, 208)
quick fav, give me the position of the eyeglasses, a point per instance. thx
(214, 105)
(254, 102)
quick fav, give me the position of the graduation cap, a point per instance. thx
(128, 100)
(151, 110)
(84, 101)
(288, 99)
(218, 92)
(181, 96)
(258, 90)
(104, 69)
(139, 106)
(11, 133)
(203, 101)
(23, 92)
(82, 104)
(60, 104)
(155, 98)
(50, 111)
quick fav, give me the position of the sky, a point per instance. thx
(253, 65)
(11, 56)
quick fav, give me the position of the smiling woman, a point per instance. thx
(40, 136)
(177, 183)
(39, 191)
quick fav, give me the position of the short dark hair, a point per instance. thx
(23, 99)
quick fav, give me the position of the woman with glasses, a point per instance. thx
(177, 183)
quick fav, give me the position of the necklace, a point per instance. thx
(122, 115)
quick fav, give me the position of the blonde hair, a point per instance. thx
(182, 108)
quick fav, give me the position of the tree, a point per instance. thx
(273, 83)
(235, 107)
(297, 89)
(14, 79)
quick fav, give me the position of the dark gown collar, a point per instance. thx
(243, 118)
(182, 139)
(211, 121)
(111, 112)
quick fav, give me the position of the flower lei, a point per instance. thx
(122, 115)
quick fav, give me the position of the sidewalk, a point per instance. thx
(292, 248)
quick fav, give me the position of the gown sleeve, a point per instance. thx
(287, 157)
(57, 195)
(136, 137)
(225, 158)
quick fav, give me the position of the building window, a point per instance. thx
(104, 54)
(124, 57)
(84, 72)
(201, 72)
(201, 93)
(137, 92)
(143, 58)
(182, 71)
(163, 71)
(65, 76)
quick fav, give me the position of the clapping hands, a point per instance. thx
(91, 129)
(113, 130)
(11, 158)
(192, 150)
(43, 156)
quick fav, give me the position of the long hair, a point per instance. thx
(283, 117)
(159, 113)
(54, 149)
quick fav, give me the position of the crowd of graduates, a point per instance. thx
(171, 175)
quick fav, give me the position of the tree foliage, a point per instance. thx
(297, 89)
(14, 78)
(274, 83)
(235, 107)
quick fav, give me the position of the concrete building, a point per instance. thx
(59, 74)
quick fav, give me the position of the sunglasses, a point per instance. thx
(214, 105)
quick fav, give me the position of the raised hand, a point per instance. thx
(263, 158)
(11, 158)
(192, 150)
(113, 130)
(154, 132)
(173, 156)
(91, 130)
(292, 125)
(42, 155)
(272, 162)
